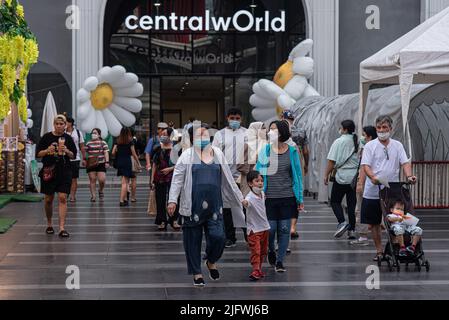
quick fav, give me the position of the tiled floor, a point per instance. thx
(121, 255)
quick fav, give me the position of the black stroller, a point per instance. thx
(399, 191)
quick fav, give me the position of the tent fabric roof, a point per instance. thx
(424, 49)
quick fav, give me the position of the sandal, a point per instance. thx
(133, 200)
(92, 199)
(64, 234)
(100, 195)
(50, 230)
(379, 256)
(73, 200)
(176, 226)
(162, 226)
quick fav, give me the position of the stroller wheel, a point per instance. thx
(427, 265)
(390, 265)
(418, 266)
(398, 267)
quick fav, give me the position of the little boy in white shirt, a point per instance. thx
(256, 223)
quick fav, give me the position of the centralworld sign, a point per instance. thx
(241, 21)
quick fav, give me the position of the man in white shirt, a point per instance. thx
(231, 140)
(382, 159)
(78, 139)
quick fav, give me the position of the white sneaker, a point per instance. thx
(360, 242)
(341, 229)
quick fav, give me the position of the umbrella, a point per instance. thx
(48, 115)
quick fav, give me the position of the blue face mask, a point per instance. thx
(234, 124)
(202, 144)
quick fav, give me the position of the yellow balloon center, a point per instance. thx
(284, 74)
(102, 96)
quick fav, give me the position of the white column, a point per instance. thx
(87, 43)
(431, 7)
(323, 29)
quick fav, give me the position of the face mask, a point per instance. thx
(257, 190)
(383, 136)
(165, 140)
(273, 136)
(94, 136)
(201, 144)
(234, 124)
(363, 140)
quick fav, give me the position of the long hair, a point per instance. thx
(125, 136)
(350, 126)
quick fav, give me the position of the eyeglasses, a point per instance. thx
(386, 153)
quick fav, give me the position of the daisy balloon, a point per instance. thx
(109, 100)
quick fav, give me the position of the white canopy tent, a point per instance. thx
(420, 56)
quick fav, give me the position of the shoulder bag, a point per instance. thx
(334, 171)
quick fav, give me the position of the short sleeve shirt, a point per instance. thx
(77, 142)
(340, 151)
(256, 216)
(385, 162)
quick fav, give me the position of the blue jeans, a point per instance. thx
(282, 229)
(193, 237)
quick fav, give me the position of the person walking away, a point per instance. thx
(78, 139)
(280, 168)
(161, 177)
(123, 151)
(231, 140)
(97, 163)
(205, 183)
(343, 158)
(383, 158)
(257, 225)
(56, 149)
(369, 134)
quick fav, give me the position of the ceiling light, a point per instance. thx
(253, 5)
(157, 4)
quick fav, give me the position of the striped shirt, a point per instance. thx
(96, 148)
(279, 176)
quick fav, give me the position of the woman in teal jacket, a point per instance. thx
(280, 167)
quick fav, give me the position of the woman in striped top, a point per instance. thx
(280, 167)
(98, 152)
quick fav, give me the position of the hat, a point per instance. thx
(162, 125)
(60, 117)
(287, 114)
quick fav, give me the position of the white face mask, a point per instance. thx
(94, 136)
(273, 135)
(257, 190)
(383, 136)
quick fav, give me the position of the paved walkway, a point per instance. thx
(121, 255)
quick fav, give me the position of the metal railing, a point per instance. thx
(432, 189)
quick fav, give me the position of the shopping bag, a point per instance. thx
(152, 210)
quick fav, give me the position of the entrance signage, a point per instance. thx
(241, 21)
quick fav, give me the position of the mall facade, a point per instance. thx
(201, 57)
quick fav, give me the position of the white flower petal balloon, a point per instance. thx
(108, 101)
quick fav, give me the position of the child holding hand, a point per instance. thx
(256, 223)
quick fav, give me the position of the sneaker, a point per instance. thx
(254, 276)
(289, 251)
(360, 242)
(351, 235)
(411, 249)
(341, 229)
(199, 282)
(230, 244)
(213, 273)
(403, 252)
(279, 267)
(272, 258)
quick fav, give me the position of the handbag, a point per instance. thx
(92, 162)
(48, 173)
(334, 170)
(135, 165)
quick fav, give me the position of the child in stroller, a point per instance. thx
(398, 219)
(397, 196)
